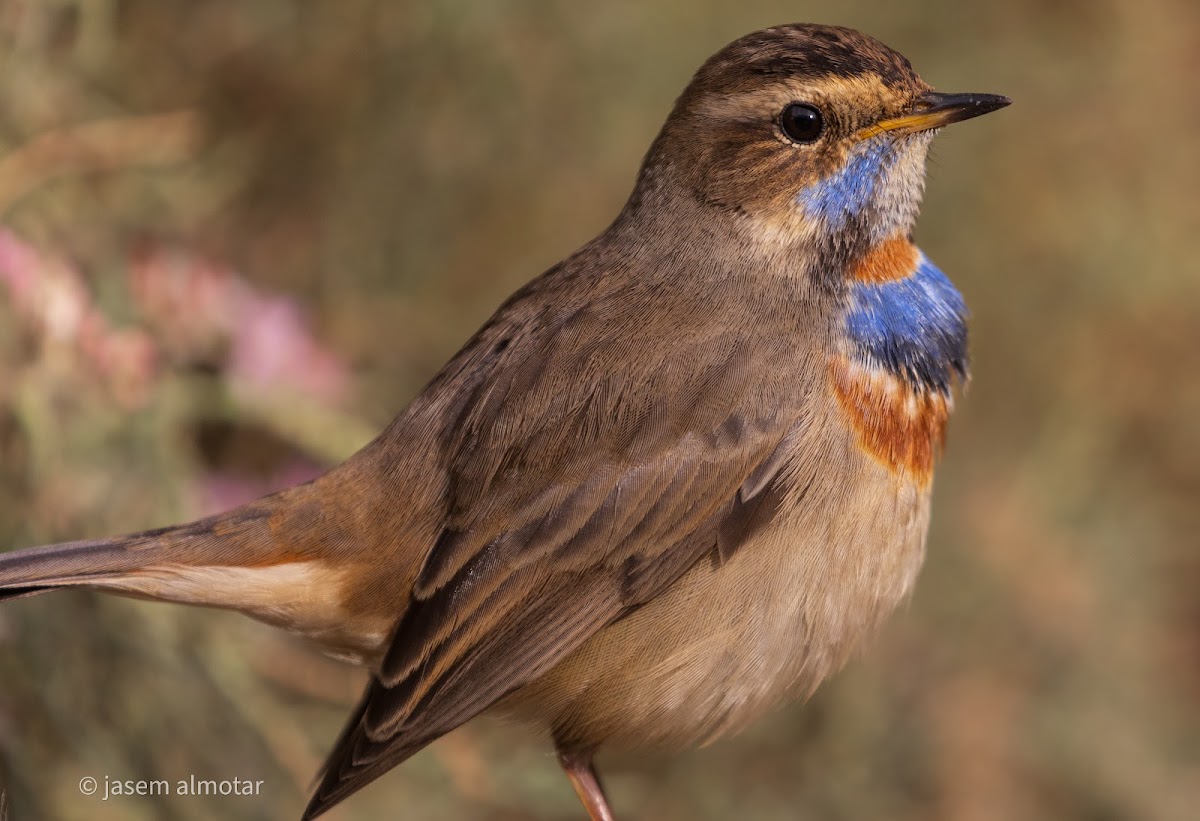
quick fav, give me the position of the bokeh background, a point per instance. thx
(235, 239)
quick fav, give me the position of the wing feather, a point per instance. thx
(576, 496)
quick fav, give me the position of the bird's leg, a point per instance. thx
(582, 773)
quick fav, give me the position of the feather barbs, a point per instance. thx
(901, 424)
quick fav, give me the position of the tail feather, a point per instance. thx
(164, 564)
(40, 569)
(282, 559)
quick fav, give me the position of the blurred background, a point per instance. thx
(236, 238)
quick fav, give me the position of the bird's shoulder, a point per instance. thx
(586, 370)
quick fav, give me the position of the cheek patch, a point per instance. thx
(838, 198)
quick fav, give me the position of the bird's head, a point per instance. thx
(812, 133)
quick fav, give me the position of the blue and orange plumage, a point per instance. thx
(906, 338)
(671, 483)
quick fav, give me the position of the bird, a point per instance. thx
(671, 484)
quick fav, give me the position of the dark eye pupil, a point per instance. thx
(801, 123)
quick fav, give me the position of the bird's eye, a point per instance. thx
(801, 123)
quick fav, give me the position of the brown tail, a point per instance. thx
(40, 569)
(201, 562)
(103, 563)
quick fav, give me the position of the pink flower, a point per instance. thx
(272, 347)
(46, 291)
(207, 311)
(19, 265)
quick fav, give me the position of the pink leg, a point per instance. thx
(581, 772)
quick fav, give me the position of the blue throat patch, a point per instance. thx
(915, 327)
(838, 198)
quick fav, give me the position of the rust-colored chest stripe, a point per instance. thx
(900, 424)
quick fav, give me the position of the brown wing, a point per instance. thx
(578, 494)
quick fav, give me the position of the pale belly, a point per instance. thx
(727, 643)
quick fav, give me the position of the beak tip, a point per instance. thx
(953, 108)
(993, 102)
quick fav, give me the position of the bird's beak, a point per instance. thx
(934, 110)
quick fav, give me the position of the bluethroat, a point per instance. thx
(670, 484)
